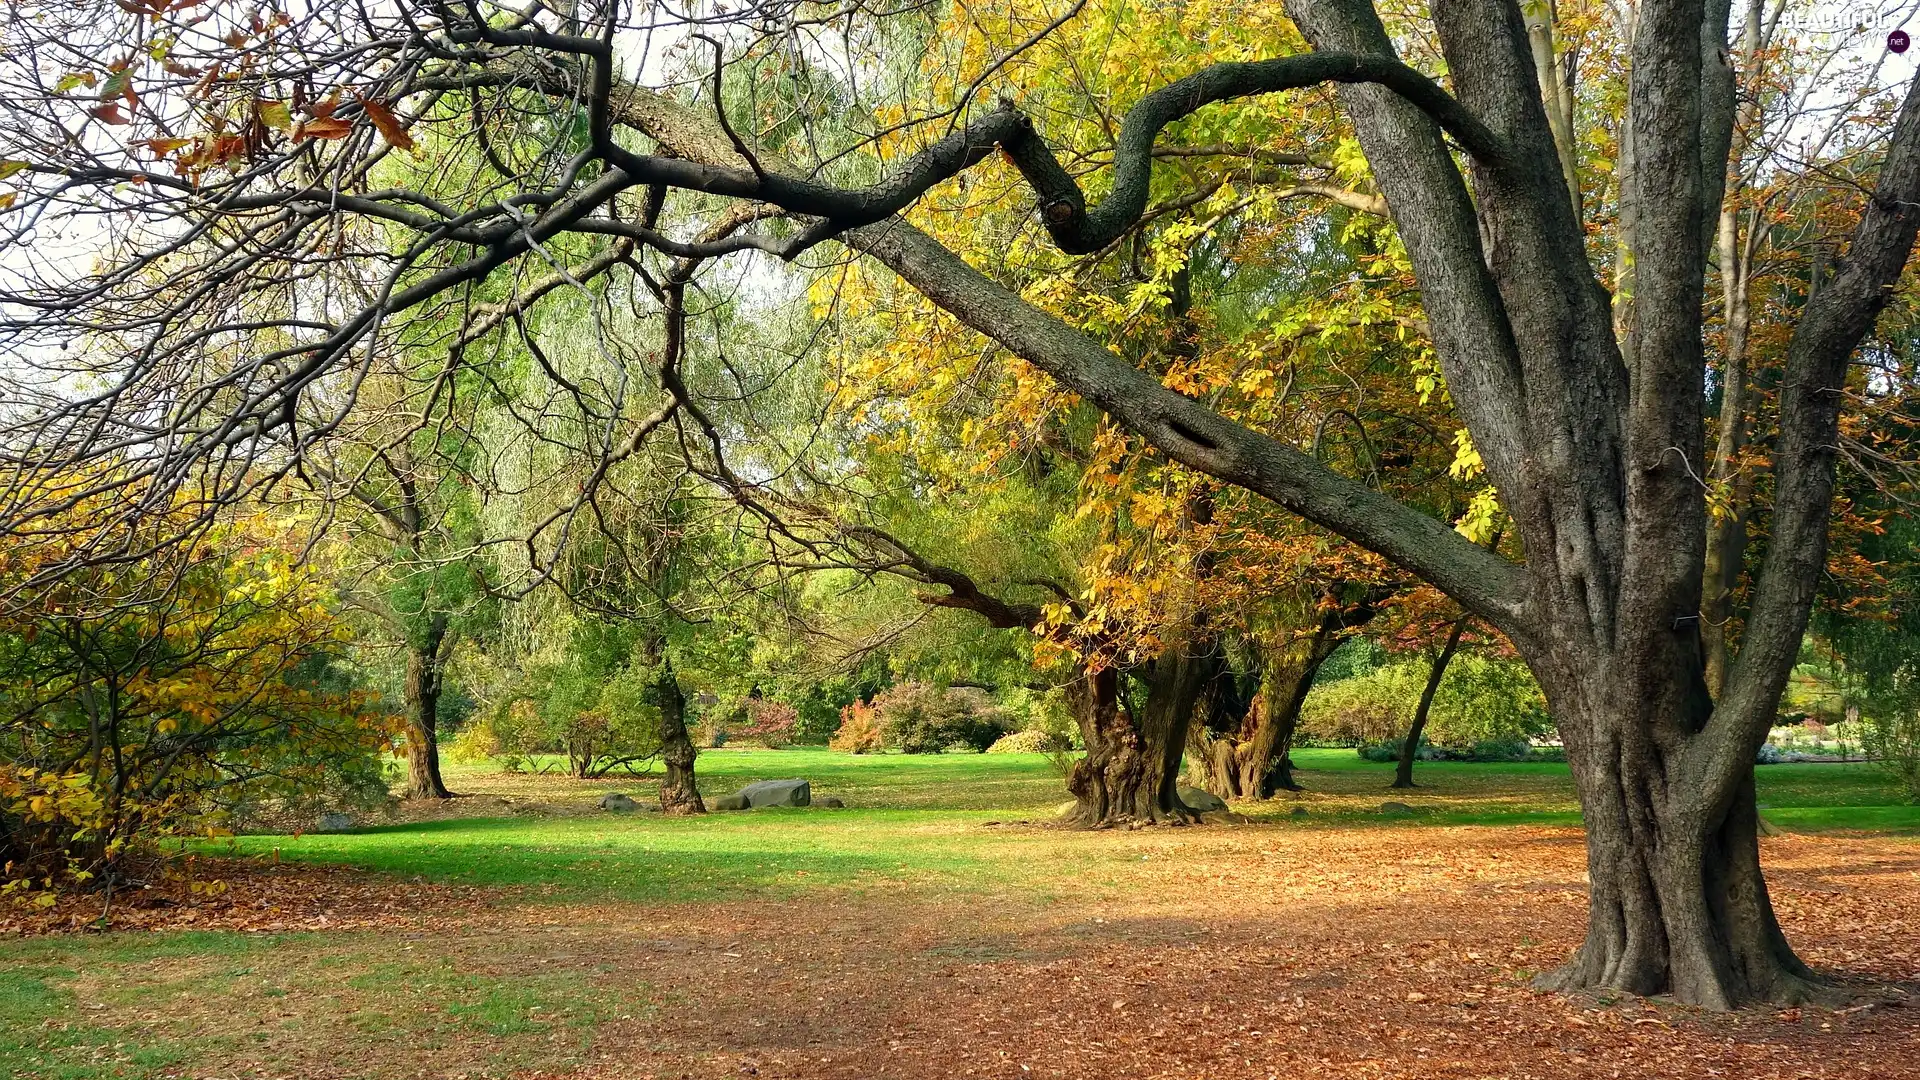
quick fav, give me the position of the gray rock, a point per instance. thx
(617, 802)
(1205, 802)
(1395, 809)
(1299, 811)
(830, 803)
(778, 793)
(335, 821)
(736, 801)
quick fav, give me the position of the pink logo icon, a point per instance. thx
(1898, 41)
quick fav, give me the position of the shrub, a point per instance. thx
(920, 718)
(770, 723)
(475, 743)
(1892, 738)
(1031, 741)
(1372, 708)
(1510, 748)
(1379, 752)
(859, 731)
(1481, 700)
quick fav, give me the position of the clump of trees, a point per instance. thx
(170, 694)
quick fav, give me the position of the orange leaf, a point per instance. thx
(391, 129)
(324, 127)
(110, 113)
(163, 147)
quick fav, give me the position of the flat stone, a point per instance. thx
(1395, 809)
(1205, 802)
(618, 803)
(335, 821)
(1298, 811)
(736, 801)
(830, 803)
(778, 793)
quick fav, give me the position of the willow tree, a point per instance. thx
(225, 148)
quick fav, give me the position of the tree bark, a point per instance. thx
(679, 794)
(1410, 746)
(1129, 772)
(1677, 903)
(1253, 762)
(423, 709)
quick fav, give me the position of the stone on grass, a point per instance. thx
(1299, 811)
(335, 821)
(777, 793)
(1204, 802)
(1395, 809)
(830, 803)
(618, 803)
(735, 801)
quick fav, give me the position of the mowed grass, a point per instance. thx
(916, 820)
(355, 1002)
(138, 1005)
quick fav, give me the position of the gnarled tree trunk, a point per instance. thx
(1677, 903)
(1128, 774)
(423, 712)
(678, 792)
(1253, 762)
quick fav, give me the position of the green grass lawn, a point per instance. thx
(135, 1005)
(916, 818)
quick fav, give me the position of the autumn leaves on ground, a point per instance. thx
(939, 926)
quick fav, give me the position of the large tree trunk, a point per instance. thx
(1677, 903)
(1129, 772)
(678, 792)
(1410, 746)
(423, 709)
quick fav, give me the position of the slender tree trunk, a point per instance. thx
(678, 792)
(1129, 772)
(1727, 529)
(1410, 746)
(423, 708)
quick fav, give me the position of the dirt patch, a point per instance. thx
(253, 895)
(1260, 953)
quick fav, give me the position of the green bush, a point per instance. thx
(1481, 701)
(1892, 738)
(920, 718)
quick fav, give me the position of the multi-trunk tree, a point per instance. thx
(234, 148)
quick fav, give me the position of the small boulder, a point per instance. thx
(831, 803)
(735, 801)
(1298, 811)
(335, 821)
(1204, 802)
(618, 803)
(778, 793)
(1395, 809)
